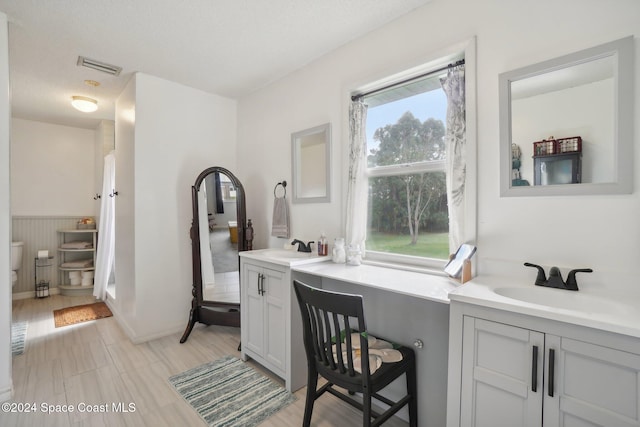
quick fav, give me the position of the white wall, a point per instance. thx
(125, 303)
(177, 133)
(52, 169)
(6, 387)
(601, 232)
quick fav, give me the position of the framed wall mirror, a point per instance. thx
(219, 230)
(311, 162)
(566, 124)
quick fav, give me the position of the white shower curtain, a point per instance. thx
(107, 230)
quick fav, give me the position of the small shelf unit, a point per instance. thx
(83, 259)
(41, 286)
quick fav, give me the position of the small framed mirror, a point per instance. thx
(311, 162)
(566, 124)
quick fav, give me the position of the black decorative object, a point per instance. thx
(557, 161)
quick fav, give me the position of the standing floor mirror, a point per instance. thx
(219, 230)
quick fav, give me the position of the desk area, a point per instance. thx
(406, 307)
(403, 306)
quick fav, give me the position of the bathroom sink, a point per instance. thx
(563, 299)
(285, 254)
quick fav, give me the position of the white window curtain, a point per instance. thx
(455, 141)
(107, 230)
(357, 186)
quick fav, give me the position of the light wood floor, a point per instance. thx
(95, 363)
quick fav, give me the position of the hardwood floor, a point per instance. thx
(94, 363)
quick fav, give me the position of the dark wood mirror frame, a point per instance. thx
(213, 312)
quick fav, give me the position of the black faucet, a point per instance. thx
(555, 277)
(302, 247)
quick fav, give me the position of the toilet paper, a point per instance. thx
(43, 254)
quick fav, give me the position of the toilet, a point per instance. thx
(16, 261)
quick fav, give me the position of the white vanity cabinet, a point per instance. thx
(263, 323)
(270, 321)
(501, 375)
(524, 371)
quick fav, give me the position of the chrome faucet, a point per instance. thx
(302, 247)
(555, 277)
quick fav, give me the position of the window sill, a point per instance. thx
(406, 262)
(434, 271)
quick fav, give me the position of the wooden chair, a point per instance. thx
(327, 315)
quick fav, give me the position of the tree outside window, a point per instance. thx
(408, 212)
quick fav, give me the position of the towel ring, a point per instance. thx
(284, 187)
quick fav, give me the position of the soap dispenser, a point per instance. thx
(323, 247)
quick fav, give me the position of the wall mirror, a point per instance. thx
(311, 161)
(566, 124)
(219, 230)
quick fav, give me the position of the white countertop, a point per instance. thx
(420, 285)
(612, 313)
(604, 311)
(288, 258)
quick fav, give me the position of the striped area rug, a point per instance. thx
(228, 392)
(18, 335)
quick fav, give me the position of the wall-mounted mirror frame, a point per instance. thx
(622, 53)
(311, 165)
(206, 308)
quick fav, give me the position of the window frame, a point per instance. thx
(468, 50)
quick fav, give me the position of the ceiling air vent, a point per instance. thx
(100, 66)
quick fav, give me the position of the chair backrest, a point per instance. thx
(328, 318)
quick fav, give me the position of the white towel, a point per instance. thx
(280, 226)
(82, 263)
(76, 245)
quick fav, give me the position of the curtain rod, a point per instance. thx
(446, 67)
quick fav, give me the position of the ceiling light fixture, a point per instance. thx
(84, 103)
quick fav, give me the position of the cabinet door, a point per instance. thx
(501, 375)
(253, 309)
(274, 317)
(592, 385)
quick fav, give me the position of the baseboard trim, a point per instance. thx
(144, 338)
(130, 332)
(32, 294)
(6, 393)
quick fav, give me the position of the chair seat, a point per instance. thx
(384, 375)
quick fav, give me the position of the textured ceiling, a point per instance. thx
(227, 47)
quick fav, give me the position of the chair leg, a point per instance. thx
(366, 409)
(412, 389)
(312, 384)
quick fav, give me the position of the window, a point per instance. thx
(227, 189)
(408, 206)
